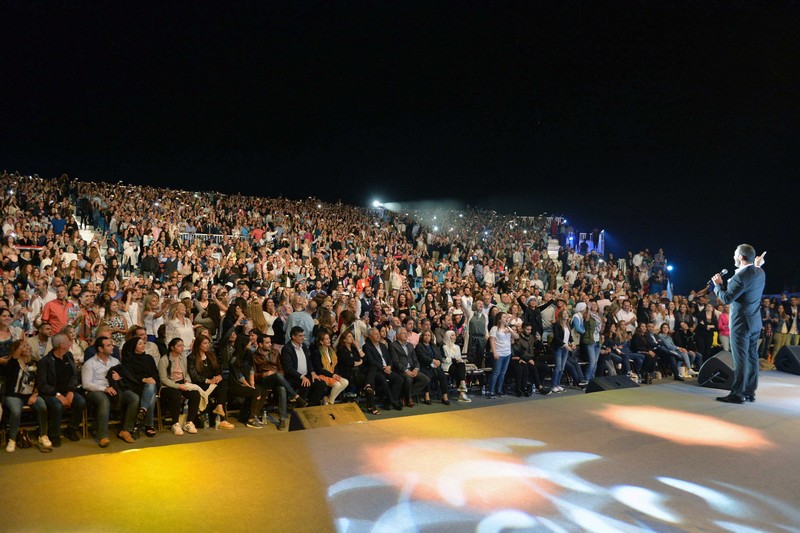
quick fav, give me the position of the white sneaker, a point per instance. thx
(45, 441)
(464, 398)
(11, 446)
(558, 389)
(189, 427)
(176, 428)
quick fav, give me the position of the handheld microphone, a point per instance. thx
(722, 273)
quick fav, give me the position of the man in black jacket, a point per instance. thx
(298, 369)
(150, 266)
(388, 383)
(405, 364)
(532, 311)
(57, 379)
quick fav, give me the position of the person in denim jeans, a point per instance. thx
(562, 345)
(57, 380)
(20, 375)
(266, 366)
(500, 339)
(144, 373)
(97, 376)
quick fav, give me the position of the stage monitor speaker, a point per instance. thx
(323, 416)
(788, 360)
(717, 372)
(600, 384)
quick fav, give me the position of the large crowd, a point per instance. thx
(116, 296)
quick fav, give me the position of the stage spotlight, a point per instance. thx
(669, 268)
(376, 203)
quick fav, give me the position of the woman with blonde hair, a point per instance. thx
(324, 359)
(453, 364)
(178, 325)
(153, 315)
(20, 376)
(78, 346)
(255, 316)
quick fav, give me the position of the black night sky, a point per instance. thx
(668, 124)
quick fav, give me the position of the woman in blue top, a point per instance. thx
(666, 341)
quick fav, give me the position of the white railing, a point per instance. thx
(215, 237)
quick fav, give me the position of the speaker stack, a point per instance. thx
(604, 383)
(788, 360)
(717, 372)
(323, 416)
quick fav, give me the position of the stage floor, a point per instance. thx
(656, 458)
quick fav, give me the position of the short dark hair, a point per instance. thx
(295, 330)
(261, 336)
(98, 343)
(747, 251)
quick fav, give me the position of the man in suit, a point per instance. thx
(405, 364)
(388, 383)
(298, 370)
(57, 379)
(744, 296)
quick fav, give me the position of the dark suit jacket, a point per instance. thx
(403, 359)
(559, 339)
(744, 296)
(426, 357)
(46, 375)
(377, 356)
(289, 362)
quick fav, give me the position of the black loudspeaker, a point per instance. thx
(788, 360)
(610, 383)
(717, 372)
(323, 416)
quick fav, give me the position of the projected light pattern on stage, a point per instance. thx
(492, 485)
(685, 428)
